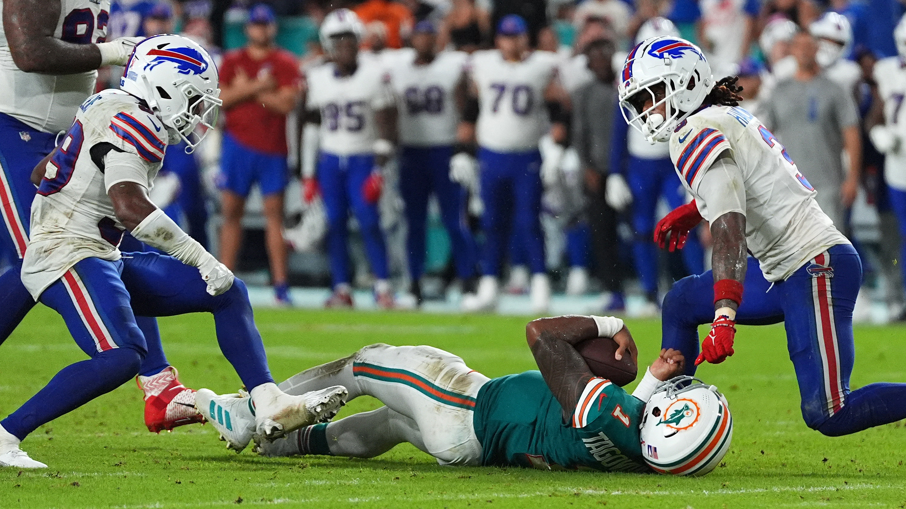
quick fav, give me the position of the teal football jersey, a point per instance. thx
(519, 422)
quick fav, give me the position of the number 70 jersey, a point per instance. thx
(48, 102)
(785, 227)
(347, 105)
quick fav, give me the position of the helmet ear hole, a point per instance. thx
(163, 93)
(692, 81)
(656, 412)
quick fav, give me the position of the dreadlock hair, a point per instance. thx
(725, 92)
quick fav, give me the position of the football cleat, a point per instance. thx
(17, 458)
(485, 299)
(339, 299)
(232, 415)
(168, 403)
(289, 413)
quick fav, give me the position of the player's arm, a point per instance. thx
(467, 96)
(237, 87)
(282, 101)
(852, 145)
(126, 180)
(553, 340)
(722, 189)
(559, 109)
(29, 26)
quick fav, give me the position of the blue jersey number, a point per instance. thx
(64, 161)
(520, 95)
(349, 116)
(429, 100)
(79, 26)
(772, 142)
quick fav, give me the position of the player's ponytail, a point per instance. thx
(725, 92)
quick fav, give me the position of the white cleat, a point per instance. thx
(518, 282)
(485, 299)
(540, 295)
(293, 412)
(232, 415)
(577, 281)
(14, 457)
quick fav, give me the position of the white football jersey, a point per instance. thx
(785, 227)
(48, 102)
(890, 74)
(72, 218)
(845, 73)
(425, 98)
(347, 106)
(513, 116)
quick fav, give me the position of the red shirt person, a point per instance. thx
(260, 85)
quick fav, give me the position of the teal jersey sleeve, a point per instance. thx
(519, 422)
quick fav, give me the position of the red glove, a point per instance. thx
(371, 189)
(719, 343)
(677, 225)
(310, 189)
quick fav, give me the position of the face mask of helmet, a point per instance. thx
(828, 53)
(654, 126)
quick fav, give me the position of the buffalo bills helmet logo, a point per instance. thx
(187, 60)
(672, 48)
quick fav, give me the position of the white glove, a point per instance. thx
(218, 277)
(117, 52)
(884, 139)
(464, 170)
(617, 192)
(550, 166)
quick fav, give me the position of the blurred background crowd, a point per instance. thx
(808, 69)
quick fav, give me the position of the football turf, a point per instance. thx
(102, 456)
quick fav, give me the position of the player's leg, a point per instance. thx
(675, 193)
(690, 303)
(819, 300)
(96, 307)
(414, 189)
(272, 179)
(237, 171)
(332, 180)
(898, 204)
(528, 188)
(432, 387)
(496, 194)
(363, 435)
(164, 286)
(452, 200)
(15, 300)
(644, 182)
(369, 219)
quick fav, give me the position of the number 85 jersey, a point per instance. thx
(785, 227)
(48, 102)
(347, 105)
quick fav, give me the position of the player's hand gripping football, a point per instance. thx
(218, 277)
(719, 343)
(673, 230)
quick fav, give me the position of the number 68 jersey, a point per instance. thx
(785, 227)
(46, 102)
(347, 105)
(72, 218)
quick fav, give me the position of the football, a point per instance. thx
(599, 352)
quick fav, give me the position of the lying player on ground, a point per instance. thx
(748, 188)
(562, 417)
(95, 183)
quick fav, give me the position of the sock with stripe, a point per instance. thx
(872, 405)
(313, 440)
(72, 387)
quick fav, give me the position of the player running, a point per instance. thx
(91, 187)
(49, 55)
(562, 417)
(749, 189)
(426, 84)
(350, 99)
(510, 87)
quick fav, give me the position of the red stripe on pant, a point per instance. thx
(92, 321)
(11, 217)
(826, 330)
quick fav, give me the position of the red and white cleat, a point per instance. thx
(168, 403)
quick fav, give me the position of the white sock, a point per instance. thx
(7, 439)
(264, 396)
(382, 286)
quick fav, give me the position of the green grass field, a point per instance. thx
(102, 456)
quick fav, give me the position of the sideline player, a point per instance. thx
(426, 85)
(49, 55)
(510, 87)
(562, 417)
(748, 188)
(94, 185)
(350, 99)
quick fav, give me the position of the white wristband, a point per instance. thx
(383, 147)
(608, 326)
(159, 231)
(646, 387)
